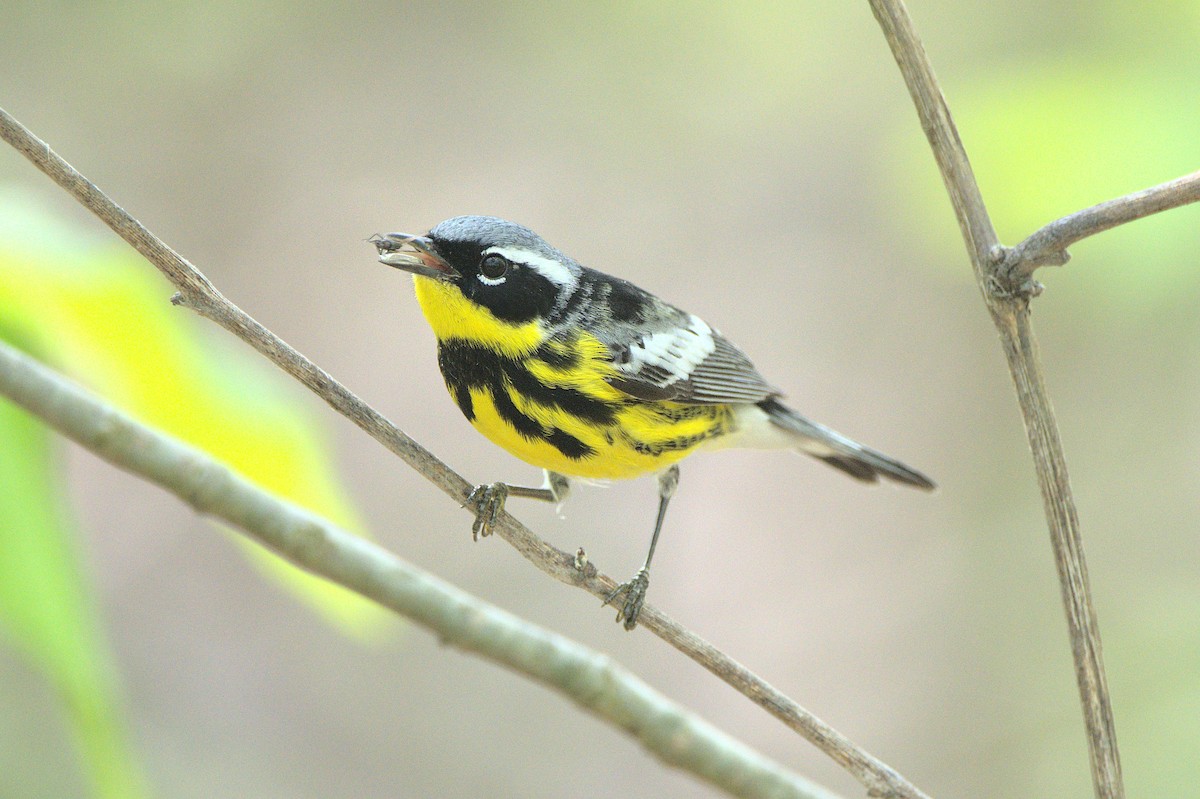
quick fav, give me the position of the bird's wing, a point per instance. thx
(678, 357)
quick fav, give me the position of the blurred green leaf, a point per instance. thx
(45, 603)
(101, 315)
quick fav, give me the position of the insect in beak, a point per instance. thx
(412, 254)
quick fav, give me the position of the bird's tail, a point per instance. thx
(861, 463)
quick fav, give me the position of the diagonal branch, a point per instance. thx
(1009, 308)
(198, 293)
(674, 735)
(1048, 246)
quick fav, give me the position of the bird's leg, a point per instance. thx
(489, 498)
(635, 589)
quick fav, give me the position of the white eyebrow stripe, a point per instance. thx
(548, 268)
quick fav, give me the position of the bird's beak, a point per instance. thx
(412, 254)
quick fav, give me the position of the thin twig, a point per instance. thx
(198, 293)
(1048, 246)
(672, 734)
(1009, 309)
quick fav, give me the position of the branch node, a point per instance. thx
(1030, 288)
(580, 563)
(1021, 263)
(1000, 287)
(194, 300)
(1010, 274)
(999, 257)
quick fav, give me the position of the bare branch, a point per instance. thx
(939, 128)
(591, 680)
(1009, 308)
(198, 293)
(1048, 246)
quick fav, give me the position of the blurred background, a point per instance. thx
(760, 165)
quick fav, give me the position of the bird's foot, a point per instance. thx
(488, 501)
(635, 595)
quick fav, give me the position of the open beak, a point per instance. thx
(412, 254)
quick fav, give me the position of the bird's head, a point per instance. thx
(504, 267)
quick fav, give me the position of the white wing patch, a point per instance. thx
(554, 271)
(673, 353)
(689, 363)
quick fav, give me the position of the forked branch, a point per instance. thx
(1004, 278)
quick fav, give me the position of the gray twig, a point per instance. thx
(197, 293)
(1048, 246)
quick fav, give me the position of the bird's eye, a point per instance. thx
(493, 266)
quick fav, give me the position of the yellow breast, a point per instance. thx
(547, 400)
(643, 438)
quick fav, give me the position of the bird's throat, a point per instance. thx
(454, 316)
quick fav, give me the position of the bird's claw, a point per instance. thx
(488, 501)
(635, 595)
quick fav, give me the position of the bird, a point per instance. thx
(588, 376)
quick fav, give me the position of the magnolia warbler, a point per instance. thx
(587, 375)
